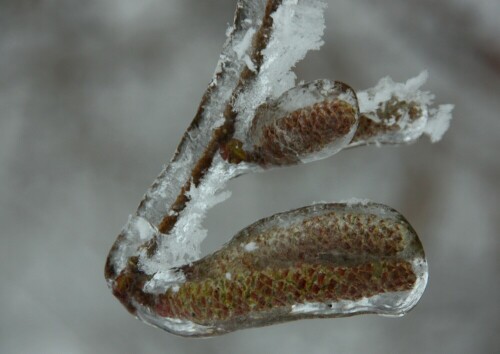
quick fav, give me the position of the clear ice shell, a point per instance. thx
(309, 122)
(325, 260)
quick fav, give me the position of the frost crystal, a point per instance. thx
(325, 260)
(297, 28)
(250, 247)
(439, 123)
(396, 113)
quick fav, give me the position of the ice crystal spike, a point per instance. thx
(308, 122)
(325, 260)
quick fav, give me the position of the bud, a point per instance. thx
(309, 122)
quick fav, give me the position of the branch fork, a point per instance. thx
(324, 260)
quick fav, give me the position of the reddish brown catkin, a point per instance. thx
(310, 121)
(323, 255)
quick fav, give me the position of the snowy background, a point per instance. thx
(94, 97)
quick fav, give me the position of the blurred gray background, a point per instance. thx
(94, 97)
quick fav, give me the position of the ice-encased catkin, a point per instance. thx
(308, 122)
(325, 260)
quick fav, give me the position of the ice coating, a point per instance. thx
(308, 122)
(167, 186)
(326, 260)
(166, 204)
(298, 27)
(399, 113)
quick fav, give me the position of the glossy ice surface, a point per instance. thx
(326, 260)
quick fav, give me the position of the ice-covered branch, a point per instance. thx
(324, 260)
